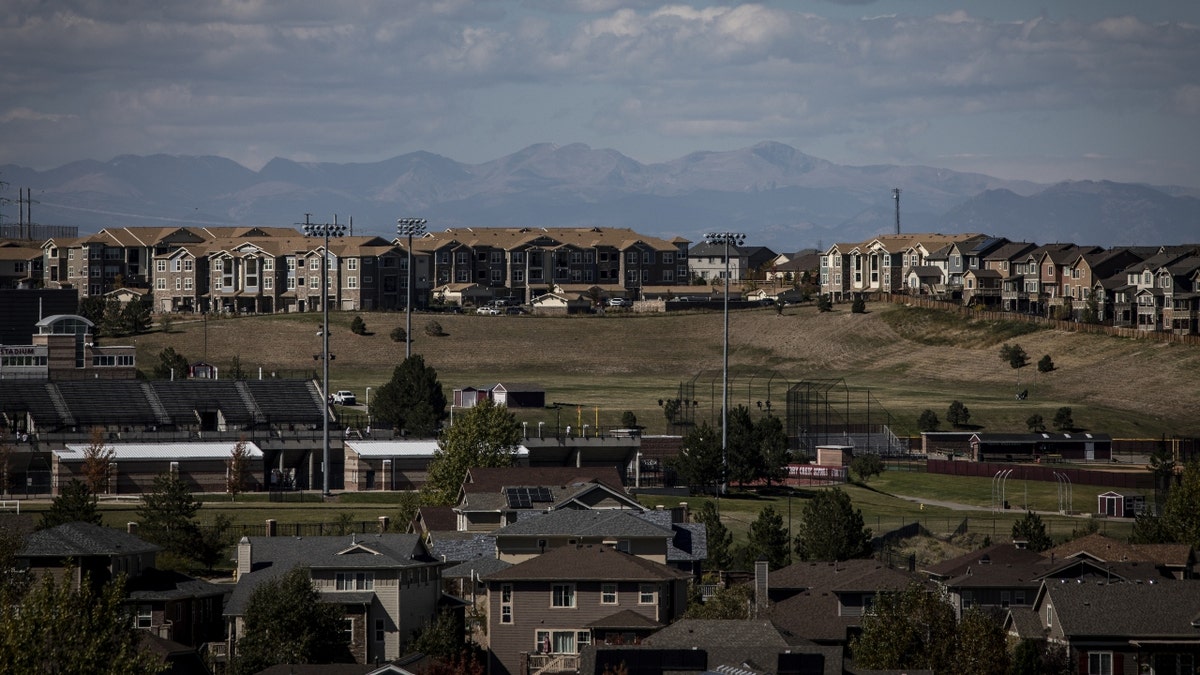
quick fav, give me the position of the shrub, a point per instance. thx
(358, 326)
(825, 303)
(928, 421)
(859, 306)
(434, 329)
(398, 334)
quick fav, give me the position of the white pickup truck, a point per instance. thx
(345, 397)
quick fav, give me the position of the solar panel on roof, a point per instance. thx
(542, 494)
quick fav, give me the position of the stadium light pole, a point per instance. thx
(727, 239)
(408, 227)
(325, 230)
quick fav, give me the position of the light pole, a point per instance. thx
(326, 231)
(408, 227)
(727, 239)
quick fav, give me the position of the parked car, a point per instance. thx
(620, 302)
(345, 397)
(514, 310)
(487, 310)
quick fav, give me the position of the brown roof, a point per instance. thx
(1108, 549)
(587, 562)
(829, 576)
(493, 479)
(438, 518)
(996, 554)
(626, 618)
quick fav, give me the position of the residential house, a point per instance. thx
(169, 605)
(1113, 628)
(543, 610)
(491, 498)
(1175, 561)
(982, 288)
(825, 601)
(996, 577)
(801, 267)
(1086, 269)
(388, 584)
(697, 646)
(1054, 269)
(531, 537)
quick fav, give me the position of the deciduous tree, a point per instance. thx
(928, 421)
(1045, 364)
(1063, 420)
(832, 529)
(1016, 358)
(866, 465)
(958, 414)
(286, 622)
(237, 469)
(729, 603)
(170, 364)
(412, 400)
(913, 628)
(980, 646)
(1035, 423)
(485, 435)
(97, 462)
(51, 627)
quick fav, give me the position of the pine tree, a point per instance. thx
(75, 503)
(832, 529)
(412, 400)
(167, 514)
(768, 539)
(720, 539)
(1033, 530)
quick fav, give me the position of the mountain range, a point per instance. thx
(773, 192)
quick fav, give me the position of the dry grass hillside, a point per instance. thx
(910, 359)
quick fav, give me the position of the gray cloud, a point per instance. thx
(365, 80)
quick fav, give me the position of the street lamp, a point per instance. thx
(727, 239)
(408, 227)
(326, 231)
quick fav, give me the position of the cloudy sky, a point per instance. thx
(1038, 89)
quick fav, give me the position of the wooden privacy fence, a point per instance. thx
(1072, 326)
(1140, 480)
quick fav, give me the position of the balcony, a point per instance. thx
(553, 663)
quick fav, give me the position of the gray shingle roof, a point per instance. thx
(586, 523)
(455, 549)
(83, 539)
(593, 563)
(478, 567)
(1164, 610)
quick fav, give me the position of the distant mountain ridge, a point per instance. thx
(780, 196)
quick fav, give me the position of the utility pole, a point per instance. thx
(896, 196)
(325, 230)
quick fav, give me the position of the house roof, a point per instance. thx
(459, 546)
(493, 479)
(83, 539)
(1107, 549)
(438, 518)
(1165, 610)
(627, 619)
(585, 523)
(727, 633)
(593, 562)
(1005, 555)
(156, 584)
(827, 576)
(690, 540)
(479, 567)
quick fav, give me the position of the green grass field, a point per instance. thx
(909, 358)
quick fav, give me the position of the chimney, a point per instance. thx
(760, 586)
(686, 516)
(131, 527)
(271, 527)
(244, 563)
(384, 523)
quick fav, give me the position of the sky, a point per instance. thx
(1045, 91)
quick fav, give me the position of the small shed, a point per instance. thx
(468, 397)
(1121, 505)
(834, 455)
(518, 395)
(387, 465)
(202, 466)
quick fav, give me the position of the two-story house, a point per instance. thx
(544, 609)
(20, 265)
(1115, 628)
(388, 584)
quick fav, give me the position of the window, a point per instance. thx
(268, 283)
(1100, 663)
(968, 599)
(145, 616)
(379, 630)
(556, 642)
(518, 257)
(506, 603)
(608, 594)
(355, 581)
(351, 282)
(314, 263)
(562, 595)
(291, 264)
(291, 283)
(497, 257)
(352, 264)
(348, 629)
(1005, 598)
(647, 594)
(161, 266)
(267, 263)
(178, 283)
(160, 284)
(314, 282)
(1049, 616)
